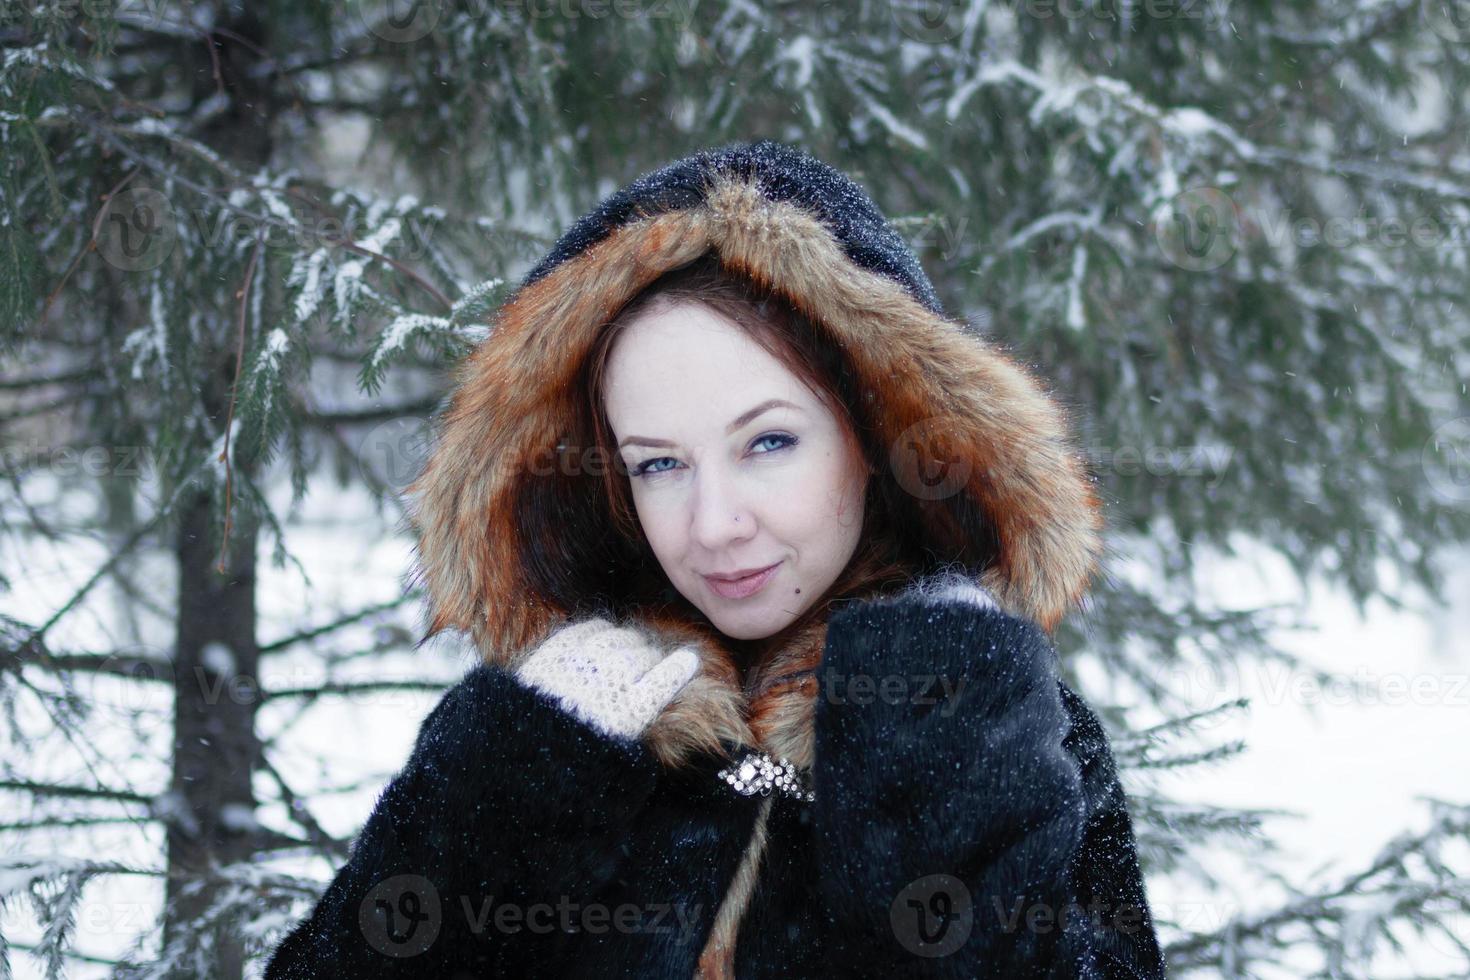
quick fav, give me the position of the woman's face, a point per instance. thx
(722, 481)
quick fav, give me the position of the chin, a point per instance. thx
(751, 624)
(744, 631)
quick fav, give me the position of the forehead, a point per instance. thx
(687, 361)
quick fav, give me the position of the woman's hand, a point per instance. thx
(609, 676)
(949, 812)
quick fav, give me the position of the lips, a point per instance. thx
(743, 585)
(737, 576)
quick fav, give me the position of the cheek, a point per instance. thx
(823, 494)
(846, 476)
(658, 524)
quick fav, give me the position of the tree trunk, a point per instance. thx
(215, 745)
(216, 691)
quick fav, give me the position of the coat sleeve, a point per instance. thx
(952, 815)
(506, 805)
(1108, 881)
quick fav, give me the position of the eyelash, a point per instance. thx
(642, 470)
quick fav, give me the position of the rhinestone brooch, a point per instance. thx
(759, 773)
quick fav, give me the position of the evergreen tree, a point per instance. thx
(1231, 235)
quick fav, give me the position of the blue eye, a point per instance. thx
(643, 468)
(785, 440)
(647, 468)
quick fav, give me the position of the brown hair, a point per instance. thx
(889, 551)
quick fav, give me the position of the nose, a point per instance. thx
(721, 512)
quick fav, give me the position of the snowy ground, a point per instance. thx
(1350, 765)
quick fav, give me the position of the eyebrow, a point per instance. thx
(744, 418)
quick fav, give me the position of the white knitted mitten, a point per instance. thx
(610, 676)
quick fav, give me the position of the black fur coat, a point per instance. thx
(966, 822)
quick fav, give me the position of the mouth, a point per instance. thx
(743, 586)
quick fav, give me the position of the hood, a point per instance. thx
(506, 543)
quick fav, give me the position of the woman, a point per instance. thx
(858, 761)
